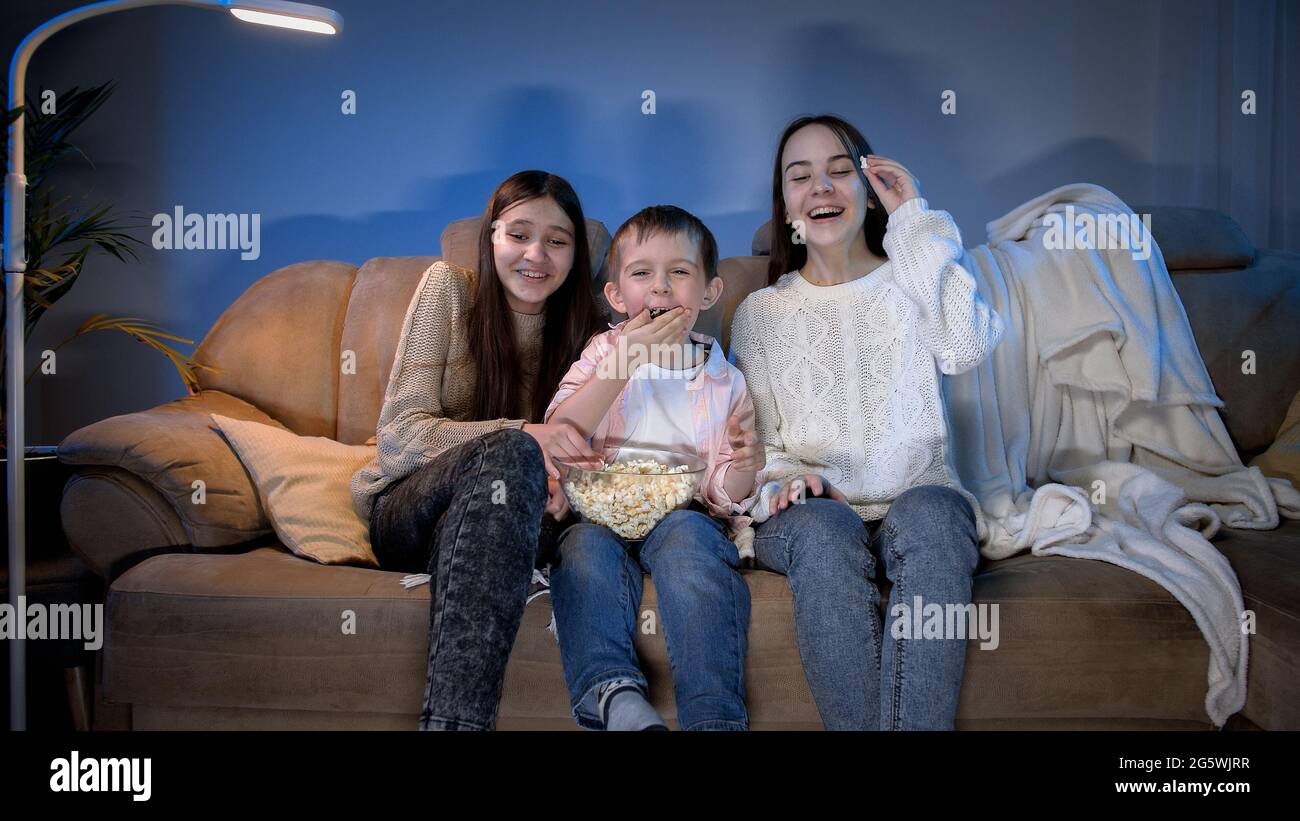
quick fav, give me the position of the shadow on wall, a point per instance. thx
(899, 112)
(121, 141)
(897, 108)
(500, 141)
(1102, 162)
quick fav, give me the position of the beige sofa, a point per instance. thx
(213, 624)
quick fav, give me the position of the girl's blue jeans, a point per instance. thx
(861, 676)
(447, 519)
(596, 584)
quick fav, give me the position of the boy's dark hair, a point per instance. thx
(669, 219)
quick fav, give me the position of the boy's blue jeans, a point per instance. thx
(596, 586)
(861, 676)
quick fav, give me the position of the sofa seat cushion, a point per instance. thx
(1079, 641)
(1268, 564)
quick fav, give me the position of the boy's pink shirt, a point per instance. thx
(717, 392)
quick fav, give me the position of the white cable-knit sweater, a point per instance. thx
(845, 378)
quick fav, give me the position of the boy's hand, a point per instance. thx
(747, 453)
(654, 340)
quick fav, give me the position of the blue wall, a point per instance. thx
(219, 116)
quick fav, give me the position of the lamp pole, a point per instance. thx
(266, 12)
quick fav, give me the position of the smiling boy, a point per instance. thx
(652, 382)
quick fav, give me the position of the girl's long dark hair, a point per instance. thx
(571, 316)
(786, 255)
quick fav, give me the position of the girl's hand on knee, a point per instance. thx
(795, 489)
(562, 441)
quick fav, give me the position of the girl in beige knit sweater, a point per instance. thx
(459, 485)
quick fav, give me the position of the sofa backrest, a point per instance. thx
(1245, 323)
(1242, 303)
(381, 294)
(277, 346)
(267, 344)
(1239, 300)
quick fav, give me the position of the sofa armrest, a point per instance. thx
(159, 477)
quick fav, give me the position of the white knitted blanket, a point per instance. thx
(1091, 431)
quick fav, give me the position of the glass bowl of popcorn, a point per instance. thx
(635, 491)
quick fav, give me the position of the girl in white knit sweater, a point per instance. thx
(842, 354)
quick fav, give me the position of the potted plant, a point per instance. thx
(61, 235)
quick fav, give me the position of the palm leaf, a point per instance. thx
(61, 234)
(47, 135)
(148, 333)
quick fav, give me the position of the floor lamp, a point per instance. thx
(266, 12)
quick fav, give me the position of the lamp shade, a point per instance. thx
(301, 16)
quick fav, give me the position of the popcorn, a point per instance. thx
(619, 497)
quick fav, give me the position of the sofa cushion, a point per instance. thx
(761, 244)
(1282, 459)
(171, 447)
(1267, 563)
(381, 293)
(1197, 238)
(1082, 643)
(460, 244)
(277, 345)
(741, 277)
(1242, 316)
(304, 484)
